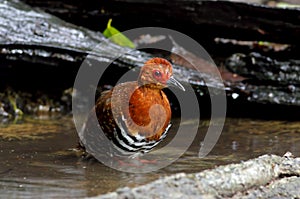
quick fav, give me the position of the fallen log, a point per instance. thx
(43, 42)
(262, 176)
(269, 80)
(203, 20)
(41, 51)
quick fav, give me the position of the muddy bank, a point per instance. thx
(267, 176)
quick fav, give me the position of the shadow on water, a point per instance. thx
(36, 160)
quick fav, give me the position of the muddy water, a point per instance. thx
(36, 160)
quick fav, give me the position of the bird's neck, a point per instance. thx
(150, 88)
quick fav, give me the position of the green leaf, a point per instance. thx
(286, 5)
(116, 36)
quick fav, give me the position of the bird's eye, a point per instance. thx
(157, 74)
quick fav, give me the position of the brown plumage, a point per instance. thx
(136, 115)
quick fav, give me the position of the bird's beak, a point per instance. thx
(173, 82)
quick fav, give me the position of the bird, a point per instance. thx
(134, 116)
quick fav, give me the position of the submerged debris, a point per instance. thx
(34, 128)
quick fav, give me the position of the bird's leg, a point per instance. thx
(137, 156)
(144, 161)
(128, 162)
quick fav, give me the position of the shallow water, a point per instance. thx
(35, 160)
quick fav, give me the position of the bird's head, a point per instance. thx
(158, 73)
